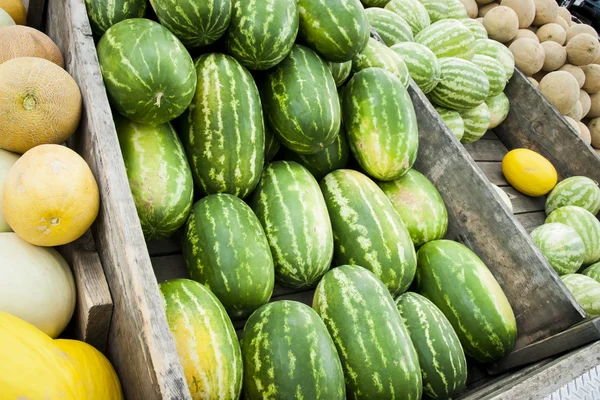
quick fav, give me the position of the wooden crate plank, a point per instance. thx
(523, 203)
(490, 135)
(493, 171)
(140, 344)
(477, 217)
(530, 221)
(486, 150)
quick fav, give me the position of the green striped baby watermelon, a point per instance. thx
(437, 9)
(593, 271)
(499, 107)
(422, 64)
(340, 71)
(413, 12)
(391, 27)
(476, 28)
(561, 245)
(456, 10)
(497, 50)
(586, 225)
(105, 13)
(378, 55)
(494, 71)
(575, 191)
(477, 121)
(462, 85)
(453, 120)
(448, 38)
(586, 291)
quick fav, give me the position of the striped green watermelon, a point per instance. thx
(494, 71)
(413, 12)
(159, 176)
(391, 27)
(292, 211)
(381, 124)
(378, 55)
(476, 28)
(497, 50)
(105, 13)
(223, 130)
(378, 357)
(375, 3)
(461, 286)
(476, 121)
(300, 102)
(420, 206)
(561, 245)
(593, 271)
(453, 120)
(499, 107)
(272, 145)
(336, 29)
(462, 85)
(367, 230)
(456, 9)
(340, 71)
(585, 224)
(448, 38)
(242, 277)
(586, 291)
(437, 9)
(206, 342)
(575, 191)
(262, 32)
(288, 354)
(441, 357)
(149, 75)
(194, 23)
(422, 64)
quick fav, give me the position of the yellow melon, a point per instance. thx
(525, 10)
(576, 71)
(529, 172)
(563, 24)
(553, 32)
(546, 12)
(583, 49)
(556, 56)
(561, 89)
(16, 10)
(578, 29)
(592, 78)
(501, 23)
(529, 55)
(23, 41)
(41, 104)
(50, 196)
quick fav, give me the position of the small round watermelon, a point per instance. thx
(340, 71)
(586, 291)
(499, 107)
(494, 71)
(391, 27)
(585, 224)
(453, 120)
(561, 245)
(448, 38)
(497, 50)
(378, 55)
(593, 271)
(456, 10)
(575, 191)
(477, 122)
(476, 28)
(462, 85)
(437, 9)
(413, 12)
(105, 13)
(422, 64)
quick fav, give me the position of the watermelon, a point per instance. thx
(494, 71)
(340, 71)
(336, 29)
(149, 75)
(261, 33)
(241, 277)
(413, 12)
(453, 120)
(391, 27)
(497, 50)
(461, 286)
(105, 13)
(561, 245)
(441, 357)
(437, 9)
(476, 28)
(288, 354)
(381, 124)
(448, 38)
(575, 191)
(159, 176)
(206, 342)
(586, 291)
(292, 211)
(462, 85)
(377, 355)
(378, 55)
(499, 107)
(223, 130)
(477, 121)
(593, 271)
(420, 206)
(422, 64)
(585, 224)
(456, 10)
(367, 230)
(194, 23)
(272, 145)
(300, 102)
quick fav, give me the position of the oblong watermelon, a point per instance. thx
(422, 64)
(593, 271)
(340, 71)
(453, 120)
(194, 23)
(223, 130)
(456, 10)
(293, 213)
(494, 71)
(461, 286)
(272, 145)
(586, 291)
(437, 9)
(288, 354)
(301, 103)
(448, 38)
(477, 121)
(476, 28)
(413, 12)
(586, 225)
(462, 85)
(206, 342)
(497, 50)
(578, 191)
(420, 206)
(105, 13)
(378, 357)
(367, 229)
(499, 107)
(441, 357)
(391, 27)
(261, 33)
(336, 29)
(149, 75)
(242, 279)
(159, 176)
(378, 55)
(381, 124)
(561, 245)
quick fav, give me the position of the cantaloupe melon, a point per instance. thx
(573, 123)
(501, 24)
(546, 12)
(592, 78)
(16, 10)
(564, 14)
(533, 82)
(471, 7)
(594, 106)
(553, 32)
(576, 71)
(594, 127)
(583, 49)
(5, 19)
(529, 55)
(561, 89)
(23, 41)
(7, 160)
(555, 56)
(585, 133)
(577, 29)
(525, 10)
(586, 103)
(525, 33)
(576, 112)
(50, 196)
(563, 24)
(487, 8)
(41, 104)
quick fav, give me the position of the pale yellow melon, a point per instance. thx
(5, 19)
(16, 10)
(487, 8)
(533, 82)
(529, 55)
(577, 29)
(573, 123)
(561, 89)
(546, 12)
(592, 78)
(576, 71)
(564, 14)
(553, 32)
(471, 7)
(501, 24)
(583, 49)
(576, 112)
(556, 56)
(523, 33)
(586, 102)
(563, 24)
(23, 41)
(594, 127)
(594, 106)
(525, 10)
(585, 133)
(7, 160)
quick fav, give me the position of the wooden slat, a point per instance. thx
(140, 344)
(490, 135)
(522, 203)
(493, 171)
(530, 221)
(486, 150)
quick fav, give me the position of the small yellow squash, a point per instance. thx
(529, 172)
